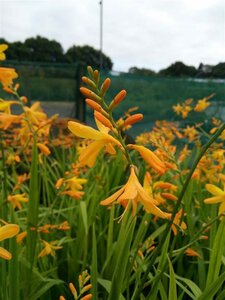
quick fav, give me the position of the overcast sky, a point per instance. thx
(148, 34)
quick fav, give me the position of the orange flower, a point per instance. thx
(49, 248)
(150, 157)
(101, 139)
(191, 252)
(44, 149)
(7, 75)
(5, 105)
(218, 196)
(16, 199)
(3, 47)
(177, 223)
(21, 236)
(72, 186)
(6, 232)
(133, 192)
(203, 104)
(6, 120)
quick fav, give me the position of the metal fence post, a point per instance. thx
(80, 112)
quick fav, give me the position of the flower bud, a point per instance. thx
(117, 99)
(103, 119)
(89, 94)
(96, 76)
(92, 104)
(73, 289)
(105, 86)
(87, 297)
(88, 82)
(90, 71)
(133, 119)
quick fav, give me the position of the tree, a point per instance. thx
(143, 71)
(179, 69)
(88, 56)
(43, 50)
(218, 71)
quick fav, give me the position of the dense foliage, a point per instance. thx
(40, 49)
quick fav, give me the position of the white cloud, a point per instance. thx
(151, 34)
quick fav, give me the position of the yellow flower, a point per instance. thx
(49, 248)
(178, 108)
(150, 157)
(191, 252)
(6, 120)
(191, 133)
(6, 232)
(202, 105)
(44, 149)
(219, 196)
(73, 187)
(165, 185)
(101, 139)
(178, 223)
(35, 114)
(3, 47)
(183, 109)
(133, 192)
(5, 106)
(16, 199)
(21, 236)
(7, 75)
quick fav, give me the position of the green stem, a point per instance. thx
(155, 254)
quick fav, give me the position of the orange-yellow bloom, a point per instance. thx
(73, 187)
(6, 232)
(133, 192)
(44, 149)
(178, 223)
(132, 119)
(16, 199)
(219, 196)
(73, 289)
(6, 120)
(191, 252)
(164, 185)
(5, 105)
(3, 47)
(87, 297)
(101, 139)
(21, 236)
(203, 104)
(49, 248)
(7, 75)
(150, 157)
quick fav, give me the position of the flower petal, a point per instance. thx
(8, 231)
(88, 155)
(214, 190)
(215, 199)
(84, 131)
(5, 254)
(150, 157)
(113, 197)
(222, 208)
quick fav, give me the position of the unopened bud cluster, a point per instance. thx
(95, 94)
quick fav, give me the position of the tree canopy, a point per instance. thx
(89, 56)
(41, 49)
(142, 71)
(179, 69)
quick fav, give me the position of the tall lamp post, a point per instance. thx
(101, 33)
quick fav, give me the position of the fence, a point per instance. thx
(57, 85)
